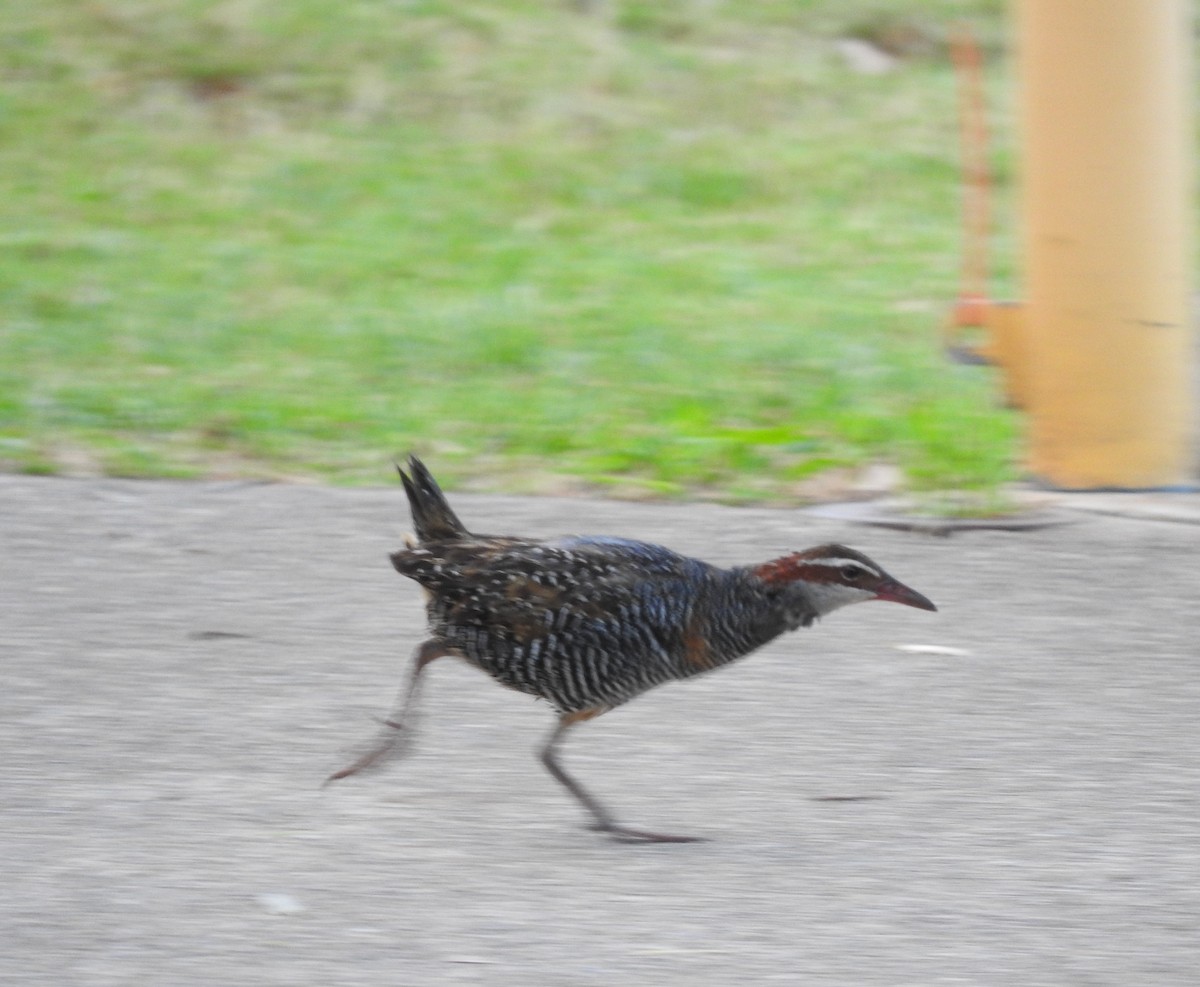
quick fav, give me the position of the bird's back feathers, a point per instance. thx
(590, 622)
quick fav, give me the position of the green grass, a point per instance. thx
(659, 248)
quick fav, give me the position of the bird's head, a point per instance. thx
(835, 576)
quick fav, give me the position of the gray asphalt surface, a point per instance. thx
(184, 663)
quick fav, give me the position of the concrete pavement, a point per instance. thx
(183, 664)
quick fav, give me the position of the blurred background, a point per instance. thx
(630, 247)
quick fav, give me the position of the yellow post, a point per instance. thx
(1106, 214)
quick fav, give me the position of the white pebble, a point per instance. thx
(279, 904)
(933, 649)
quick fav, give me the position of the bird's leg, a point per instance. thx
(394, 726)
(604, 819)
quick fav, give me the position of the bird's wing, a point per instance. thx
(584, 586)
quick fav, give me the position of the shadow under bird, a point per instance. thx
(588, 623)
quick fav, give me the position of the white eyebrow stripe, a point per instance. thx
(835, 563)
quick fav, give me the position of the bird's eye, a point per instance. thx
(853, 572)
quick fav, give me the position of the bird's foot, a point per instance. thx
(627, 834)
(388, 742)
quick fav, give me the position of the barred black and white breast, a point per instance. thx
(589, 622)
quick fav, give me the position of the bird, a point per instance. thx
(590, 622)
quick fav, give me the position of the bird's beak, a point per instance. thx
(895, 592)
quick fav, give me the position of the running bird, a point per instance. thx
(588, 623)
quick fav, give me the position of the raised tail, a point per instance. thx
(432, 517)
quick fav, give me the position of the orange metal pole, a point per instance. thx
(1107, 218)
